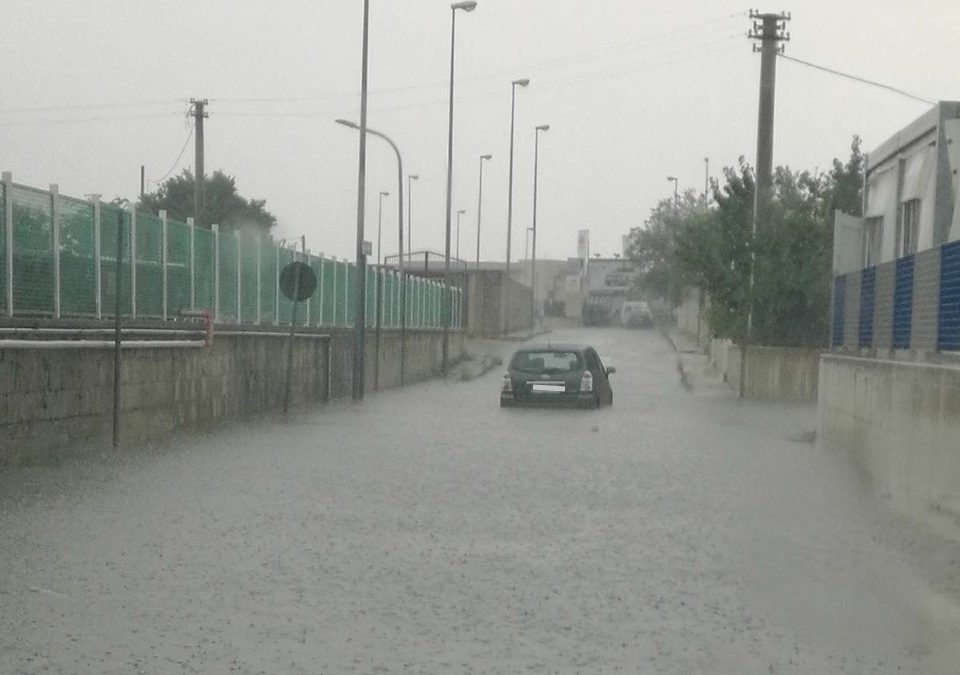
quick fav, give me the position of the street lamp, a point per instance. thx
(522, 82)
(466, 6)
(459, 213)
(359, 325)
(412, 177)
(533, 246)
(675, 180)
(380, 223)
(480, 205)
(403, 323)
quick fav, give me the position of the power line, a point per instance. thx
(81, 120)
(176, 162)
(88, 106)
(855, 78)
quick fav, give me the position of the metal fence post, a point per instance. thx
(236, 234)
(259, 243)
(216, 272)
(133, 261)
(276, 287)
(320, 297)
(97, 252)
(333, 292)
(193, 266)
(306, 305)
(8, 235)
(55, 227)
(163, 262)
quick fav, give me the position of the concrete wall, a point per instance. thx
(901, 423)
(60, 401)
(490, 294)
(772, 373)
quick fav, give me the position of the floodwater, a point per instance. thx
(429, 531)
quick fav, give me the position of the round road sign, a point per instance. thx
(298, 281)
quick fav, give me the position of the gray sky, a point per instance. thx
(633, 91)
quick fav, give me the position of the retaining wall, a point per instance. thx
(773, 373)
(900, 422)
(60, 401)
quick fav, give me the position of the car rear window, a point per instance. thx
(546, 361)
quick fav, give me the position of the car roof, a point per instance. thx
(555, 347)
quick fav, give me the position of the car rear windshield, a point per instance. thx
(546, 361)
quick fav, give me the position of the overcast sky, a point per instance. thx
(633, 91)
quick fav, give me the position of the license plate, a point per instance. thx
(549, 388)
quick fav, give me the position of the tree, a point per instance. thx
(224, 205)
(712, 249)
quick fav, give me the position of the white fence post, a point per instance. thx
(333, 292)
(346, 292)
(133, 261)
(163, 262)
(55, 227)
(306, 313)
(193, 264)
(236, 234)
(216, 272)
(320, 297)
(97, 252)
(8, 234)
(259, 280)
(276, 288)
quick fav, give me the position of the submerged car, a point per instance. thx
(557, 374)
(636, 313)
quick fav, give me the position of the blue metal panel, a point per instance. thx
(839, 300)
(868, 287)
(948, 320)
(903, 303)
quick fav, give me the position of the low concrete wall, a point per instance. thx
(901, 423)
(60, 401)
(490, 295)
(773, 373)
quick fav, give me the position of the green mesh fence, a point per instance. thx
(315, 307)
(3, 248)
(249, 290)
(78, 283)
(33, 251)
(268, 282)
(178, 267)
(110, 219)
(227, 280)
(203, 269)
(148, 269)
(286, 307)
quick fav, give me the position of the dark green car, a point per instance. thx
(563, 374)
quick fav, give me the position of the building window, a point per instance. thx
(909, 227)
(872, 237)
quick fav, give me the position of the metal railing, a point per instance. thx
(909, 303)
(58, 260)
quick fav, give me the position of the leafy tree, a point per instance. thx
(223, 204)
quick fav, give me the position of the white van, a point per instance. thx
(636, 313)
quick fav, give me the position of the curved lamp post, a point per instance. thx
(533, 244)
(480, 205)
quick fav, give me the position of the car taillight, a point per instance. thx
(507, 384)
(586, 381)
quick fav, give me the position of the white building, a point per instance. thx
(911, 196)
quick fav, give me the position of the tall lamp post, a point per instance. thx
(396, 150)
(480, 205)
(466, 6)
(359, 326)
(676, 199)
(412, 177)
(533, 243)
(380, 223)
(522, 82)
(459, 213)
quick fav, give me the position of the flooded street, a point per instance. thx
(430, 531)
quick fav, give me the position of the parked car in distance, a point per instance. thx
(556, 374)
(635, 313)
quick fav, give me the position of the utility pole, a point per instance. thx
(706, 182)
(198, 112)
(142, 181)
(770, 29)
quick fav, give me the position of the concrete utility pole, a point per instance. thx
(359, 324)
(198, 112)
(770, 29)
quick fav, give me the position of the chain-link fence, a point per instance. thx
(909, 303)
(58, 258)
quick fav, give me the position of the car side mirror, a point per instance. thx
(611, 370)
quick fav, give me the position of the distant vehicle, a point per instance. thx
(636, 313)
(595, 315)
(564, 374)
